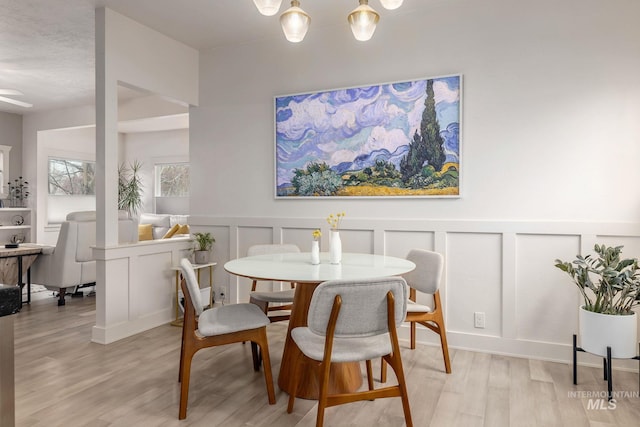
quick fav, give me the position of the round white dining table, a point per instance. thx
(297, 268)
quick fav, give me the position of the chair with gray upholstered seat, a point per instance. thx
(352, 321)
(266, 300)
(218, 326)
(425, 278)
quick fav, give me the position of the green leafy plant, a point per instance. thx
(130, 187)
(608, 284)
(203, 241)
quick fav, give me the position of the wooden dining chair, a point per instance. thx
(218, 326)
(275, 300)
(425, 278)
(352, 321)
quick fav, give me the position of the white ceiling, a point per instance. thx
(47, 46)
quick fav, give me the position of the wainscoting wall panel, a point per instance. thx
(542, 290)
(504, 269)
(474, 282)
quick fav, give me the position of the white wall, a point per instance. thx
(550, 132)
(551, 101)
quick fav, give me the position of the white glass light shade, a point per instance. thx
(295, 22)
(390, 4)
(363, 21)
(268, 7)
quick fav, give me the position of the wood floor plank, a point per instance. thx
(62, 379)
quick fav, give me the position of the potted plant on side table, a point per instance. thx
(610, 288)
(203, 242)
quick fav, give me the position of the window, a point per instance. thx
(71, 177)
(172, 180)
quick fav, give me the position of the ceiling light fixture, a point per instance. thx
(270, 7)
(389, 4)
(295, 21)
(363, 20)
(13, 92)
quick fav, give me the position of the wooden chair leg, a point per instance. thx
(266, 365)
(325, 367)
(256, 356)
(396, 364)
(440, 330)
(293, 385)
(184, 385)
(383, 371)
(182, 354)
(413, 335)
(369, 374)
(445, 348)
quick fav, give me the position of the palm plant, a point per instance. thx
(204, 241)
(130, 187)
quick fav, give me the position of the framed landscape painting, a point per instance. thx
(390, 140)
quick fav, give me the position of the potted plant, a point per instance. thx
(203, 241)
(130, 187)
(610, 289)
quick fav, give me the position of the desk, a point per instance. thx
(197, 268)
(296, 267)
(13, 263)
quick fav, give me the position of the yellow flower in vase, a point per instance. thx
(316, 234)
(334, 220)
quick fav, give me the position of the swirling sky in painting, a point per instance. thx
(340, 126)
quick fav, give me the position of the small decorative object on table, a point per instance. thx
(315, 247)
(17, 220)
(335, 244)
(204, 241)
(18, 193)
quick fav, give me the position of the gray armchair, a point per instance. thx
(70, 263)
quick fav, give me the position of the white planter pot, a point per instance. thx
(597, 331)
(201, 257)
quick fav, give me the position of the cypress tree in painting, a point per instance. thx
(427, 147)
(430, 131)
(412, 163)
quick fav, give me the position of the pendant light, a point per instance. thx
(389, 4)
(295, 22)
(268, 7)
(363, 20)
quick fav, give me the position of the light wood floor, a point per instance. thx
(62, 379)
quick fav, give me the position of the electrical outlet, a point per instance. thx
(478, 319)
(221, 295)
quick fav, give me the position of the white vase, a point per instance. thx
(597, 331)
(315, 252)
(335, 248)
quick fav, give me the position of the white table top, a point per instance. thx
(297, 267)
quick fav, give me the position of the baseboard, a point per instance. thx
(112, 333)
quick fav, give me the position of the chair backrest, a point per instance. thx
(193, 287)
(428, 272)
(364, 306)
(272, 249)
